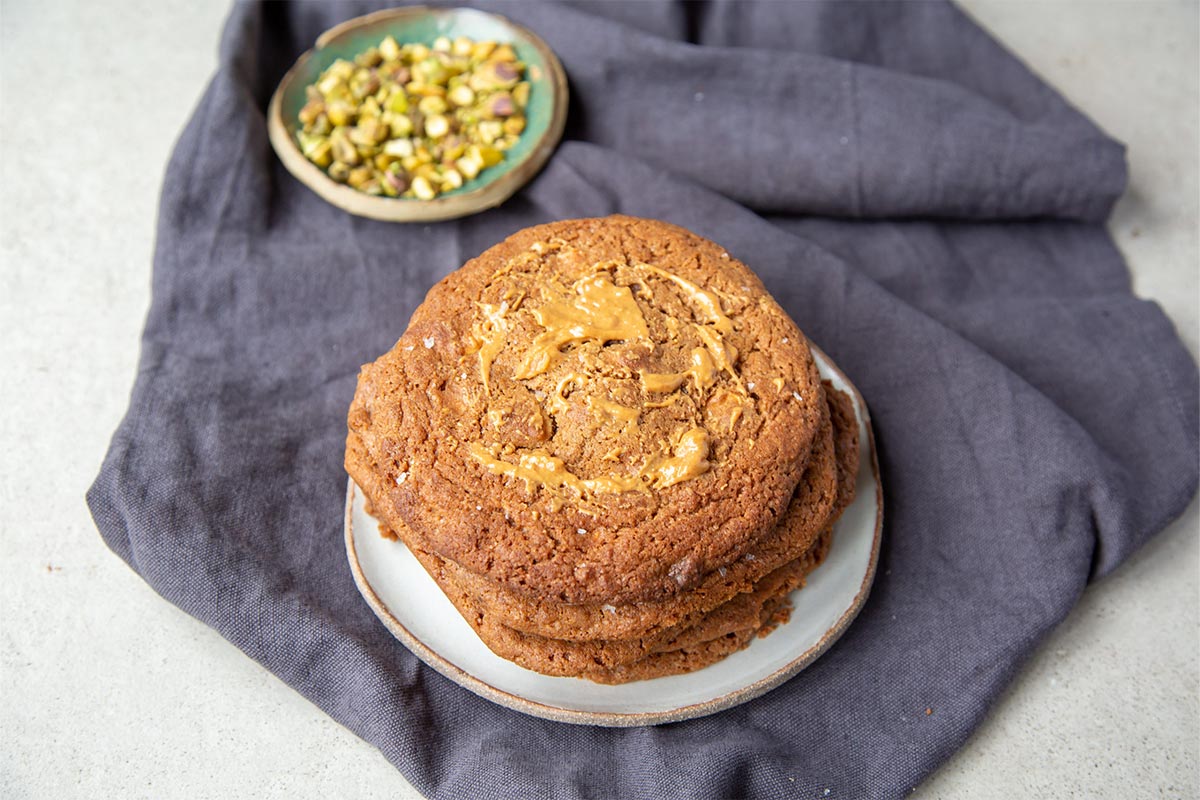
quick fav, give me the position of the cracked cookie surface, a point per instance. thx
(592, 411)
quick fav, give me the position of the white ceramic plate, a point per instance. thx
(414, 609)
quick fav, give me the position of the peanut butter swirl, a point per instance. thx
(594, 309)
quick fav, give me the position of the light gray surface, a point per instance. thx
(108, 691)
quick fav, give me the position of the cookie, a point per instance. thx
(819, 497)
(594, 411)
(745, 613)
(697, 655)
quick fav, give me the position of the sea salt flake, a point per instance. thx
(401, 478)
(428, 342)
(797, 396)
(408, 348)
(750, 386)
(609, 609)
(785, 340)
(479, 508)
(581, 531)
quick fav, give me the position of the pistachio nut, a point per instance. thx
(415, 119)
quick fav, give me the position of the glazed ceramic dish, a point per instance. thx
(545, 113)
(413, 608)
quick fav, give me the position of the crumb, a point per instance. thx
(928, 711)
(53, 568)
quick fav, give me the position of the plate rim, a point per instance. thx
(468, 681)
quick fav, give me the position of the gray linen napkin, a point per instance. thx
(928, 211)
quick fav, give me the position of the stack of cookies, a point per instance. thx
(609, 447)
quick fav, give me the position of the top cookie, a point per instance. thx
(597, 410)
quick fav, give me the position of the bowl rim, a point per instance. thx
(395, 209)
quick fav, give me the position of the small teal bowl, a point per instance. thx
(545, 113)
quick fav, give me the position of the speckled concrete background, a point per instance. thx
(107, 691)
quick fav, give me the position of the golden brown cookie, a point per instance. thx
(592, 411)
(819, 498)
(745, 613)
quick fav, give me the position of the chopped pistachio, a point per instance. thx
(340, 113)
(429, 172)
(422, 189)
(401, 126)
(461, 95)
(339, 171)
(322, 126)
(432, 105)
(343, 150)
(415, 120)
(320, 152)
(424, 89)
(389, 48)
(503, 53)
(431, 71)
(482, 50)
(312, 109)
(469, 166)
(370, 108)
(394, 183)
(490, 156)
(397, 101)
(341, 68)
(436, 126)
(400, 148)
(501, 105)
(369, 58)
(359, 175)
(328, 84)
(520, 94)
(514, 125)
(490, 130)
